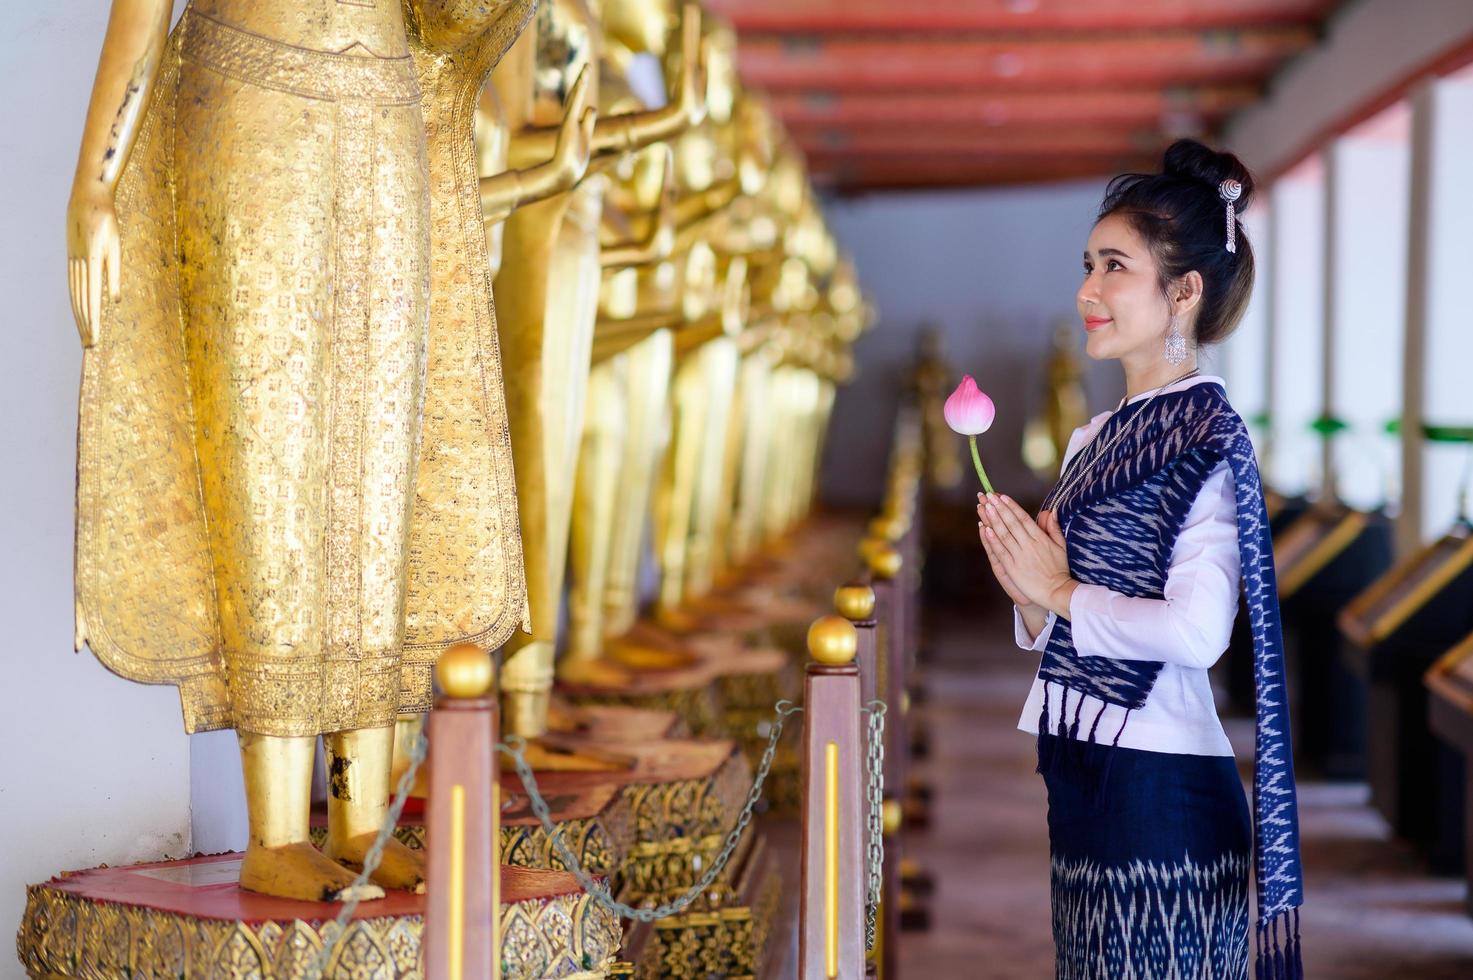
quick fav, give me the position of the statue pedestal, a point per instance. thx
(729, 689)
(686, 691)
(653, 830)
(685, 797)
(596, 823)
(618, 723)
(190, 918)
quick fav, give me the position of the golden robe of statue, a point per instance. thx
(294, 482)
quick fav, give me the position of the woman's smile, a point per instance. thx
(1092, 323)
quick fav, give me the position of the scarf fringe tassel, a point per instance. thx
(1068, 749)
(1278, 961)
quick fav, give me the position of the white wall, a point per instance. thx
(996, 269)
(94, 768)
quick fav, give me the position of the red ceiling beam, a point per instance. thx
(870, 64)
(913, 142)
(1127, 107)
(859, 176)
(830, 16)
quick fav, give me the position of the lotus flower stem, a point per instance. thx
(977, 462)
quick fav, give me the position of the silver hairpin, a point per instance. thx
(1230, 190)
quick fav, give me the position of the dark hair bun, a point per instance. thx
(1179, 214)
(1195, 161)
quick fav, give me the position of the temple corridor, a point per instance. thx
(1373, 912)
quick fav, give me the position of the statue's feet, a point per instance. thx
(551, 753)
(594, 673)
(638, 656)
(400, 868)
(302, 872)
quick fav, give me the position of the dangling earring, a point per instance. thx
(1176, 344)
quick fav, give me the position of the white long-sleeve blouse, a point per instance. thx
(1187, 630)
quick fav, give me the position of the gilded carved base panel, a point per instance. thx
(730, 941)
(70, 931)
(699, 708)
(600, 841)
(756, 693)
(782, 793)
(653, 838)
(682, 802)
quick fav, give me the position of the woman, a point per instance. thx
(1128, 585)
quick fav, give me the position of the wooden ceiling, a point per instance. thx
(884, 94)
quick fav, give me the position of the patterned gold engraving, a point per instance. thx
(64, 935)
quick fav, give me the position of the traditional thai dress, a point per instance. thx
(1150, 834)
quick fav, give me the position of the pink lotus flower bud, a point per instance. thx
(969, 411)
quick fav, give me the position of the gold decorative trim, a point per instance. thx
(64, 935)
(1354, 619)
(305, 72)
(1345, 531)
(1440, 677)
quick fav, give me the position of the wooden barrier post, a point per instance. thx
(885, 566)
(831, 909)
(463, 877)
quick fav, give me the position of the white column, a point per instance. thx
(1366, 205)
(1243, 359)
(1296, 338)
(1439, 308)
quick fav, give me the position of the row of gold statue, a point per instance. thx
(314, 453)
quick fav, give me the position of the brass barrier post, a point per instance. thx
(463, 877)
(831, 910)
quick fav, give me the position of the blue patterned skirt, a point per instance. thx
(1150, 859)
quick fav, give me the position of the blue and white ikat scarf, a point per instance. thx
(1120, 522)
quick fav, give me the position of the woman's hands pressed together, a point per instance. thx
(1027, 556)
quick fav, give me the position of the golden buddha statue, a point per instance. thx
(626, 390)
(648, 311)
(294, 482)
(1046, 433)
(930, 381)
(550, 280)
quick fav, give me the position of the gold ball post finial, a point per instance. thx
(855, 601)
(884, 561)
(832, 641)
(891, 817)
(890, 527)
(465, 671)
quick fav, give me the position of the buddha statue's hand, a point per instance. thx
(692, 98)
(575, 135)
(93, 245)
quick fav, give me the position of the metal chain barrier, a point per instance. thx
(875, 793)
(318, 967)
(513, 747)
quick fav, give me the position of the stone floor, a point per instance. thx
(1372, 911)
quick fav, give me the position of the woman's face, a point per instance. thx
(1120, 300)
